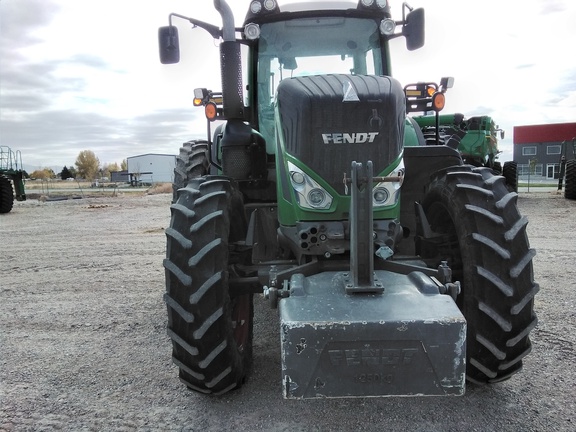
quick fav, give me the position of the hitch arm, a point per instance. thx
(361, 278)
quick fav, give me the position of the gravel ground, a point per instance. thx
(83, 344)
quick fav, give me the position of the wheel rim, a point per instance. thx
(442, 223)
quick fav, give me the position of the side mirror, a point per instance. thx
(289, 63)
(446, 83)
(413, 29)
(168, 45)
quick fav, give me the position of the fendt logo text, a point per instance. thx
(350, 138)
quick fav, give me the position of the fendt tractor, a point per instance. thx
(396, 268)
(11, 172)
(476, 139)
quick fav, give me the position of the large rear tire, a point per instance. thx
(483, 237)
(210, 326)
(570, 187)
(192, 162)
(6, 195)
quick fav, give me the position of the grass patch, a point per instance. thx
(538, 185)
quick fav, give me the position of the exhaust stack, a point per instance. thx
(230, 64)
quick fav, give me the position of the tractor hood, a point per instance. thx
(328, 121)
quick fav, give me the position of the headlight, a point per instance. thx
(387, 193)
(297, 178)
(316, 197)
(381, 195)
(309, 194)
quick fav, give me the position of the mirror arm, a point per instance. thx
(214, 31)
(405, 6)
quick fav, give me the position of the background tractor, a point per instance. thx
(396, 268)
(11, 172)
(476, 138)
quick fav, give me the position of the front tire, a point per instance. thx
(192, 162)
(570, 188)
(210, 326)
(510, 173)
(482, 235)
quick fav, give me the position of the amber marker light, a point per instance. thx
(413, 93)
(438, 101)
(197, 102)
(211, 111)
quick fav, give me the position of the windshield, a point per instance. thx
(312, 46)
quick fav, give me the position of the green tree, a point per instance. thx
(73, 172)
(87, 164)
(124, 165)
(65, 173)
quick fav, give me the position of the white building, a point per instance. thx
(152, 168)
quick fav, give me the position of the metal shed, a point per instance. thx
(151, 168)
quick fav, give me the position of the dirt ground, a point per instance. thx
(83, 342)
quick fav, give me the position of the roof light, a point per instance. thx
(269, 4)
(255, 7)
(387, 26)
(252, 31)
(375, 5)
(260, 9)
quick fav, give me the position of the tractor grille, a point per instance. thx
(330, 120)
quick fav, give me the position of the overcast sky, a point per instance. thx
(84, 74)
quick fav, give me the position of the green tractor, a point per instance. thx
(396, 268)
(10, 172)
(476, 139)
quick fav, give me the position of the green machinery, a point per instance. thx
(476, 138)
(11, 172)
(396, 268)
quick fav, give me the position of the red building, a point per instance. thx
(543, 145)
